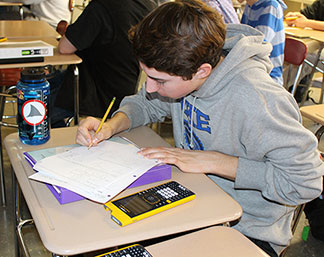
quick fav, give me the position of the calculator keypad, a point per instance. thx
(132, 251)
(152, 198)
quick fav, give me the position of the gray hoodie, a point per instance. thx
(241, 111)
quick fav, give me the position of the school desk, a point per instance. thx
(316, 114)
(216, 241)
(85, 226)
(23, 29)
(307, 33)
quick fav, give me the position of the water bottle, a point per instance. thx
(33, 101)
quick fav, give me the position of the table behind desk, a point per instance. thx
(56, 59)
(24, 28)
(85, 226)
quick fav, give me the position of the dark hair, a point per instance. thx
(177, 37)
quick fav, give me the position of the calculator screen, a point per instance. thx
(133, 205)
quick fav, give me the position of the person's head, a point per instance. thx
(178, 37)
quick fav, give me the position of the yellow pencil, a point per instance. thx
(2, 39)
(291, 18)
(104, 118)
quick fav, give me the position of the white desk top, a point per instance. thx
(17, 31)
(215, 241)
(85, 226)
(305, 33)
(314, 112)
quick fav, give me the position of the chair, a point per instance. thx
(8, 81)
(61, 27)
(294, 54)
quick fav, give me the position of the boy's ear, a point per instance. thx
(203, 71)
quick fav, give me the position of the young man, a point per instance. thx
(109, 68)
(51, 11)
(230, 119)
(267, 16)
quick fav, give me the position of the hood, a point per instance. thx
(246, 50)
(282, 3)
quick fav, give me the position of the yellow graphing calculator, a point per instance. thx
(148, 202)
(135, 250)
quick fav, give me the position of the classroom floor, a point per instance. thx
(298, 248)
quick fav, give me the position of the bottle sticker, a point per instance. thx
(34, 112)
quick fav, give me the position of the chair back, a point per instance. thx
(294, 54)
(9, 77)
(61, 27)
(71, 5)
(295, 51)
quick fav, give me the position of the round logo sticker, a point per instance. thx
(34, 112)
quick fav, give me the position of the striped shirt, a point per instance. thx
(267, 16)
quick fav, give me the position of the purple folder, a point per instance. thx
(63, 195)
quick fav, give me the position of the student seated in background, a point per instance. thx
(230, 120)
(51, 11)
(267, 16)
(311, 16)
(225, 8)
(109, 68)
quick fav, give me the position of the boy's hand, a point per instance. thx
(195, 161)
(298, 21)
(86, 130)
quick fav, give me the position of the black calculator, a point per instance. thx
(135, 250)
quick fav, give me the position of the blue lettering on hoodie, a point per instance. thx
(200, 122)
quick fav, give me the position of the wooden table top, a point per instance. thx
(26, 29)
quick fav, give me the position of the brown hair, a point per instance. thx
(177, 37)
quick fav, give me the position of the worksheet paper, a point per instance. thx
(98, 173)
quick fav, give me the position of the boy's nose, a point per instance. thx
(151, 86)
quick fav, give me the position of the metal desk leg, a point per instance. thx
(16, 211)
(19, 222)
(309, 82)
(2, 177)
(20, 235)
(3, 186)
(322, 89)
(76, 95)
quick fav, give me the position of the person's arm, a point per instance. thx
(209, 162)
(301, 21)
(66, 47)
(91, 24)
(319, 25)
(87, 128)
